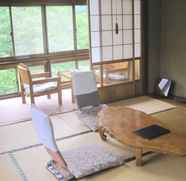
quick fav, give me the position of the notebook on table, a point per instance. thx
(152, 132)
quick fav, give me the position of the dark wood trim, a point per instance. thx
(101, 43)
(144, 19)
(44, 29)
(40, 2)
(117, 61)
(74, 30)
(8, 96)
(12, 30)
(133, 47)
(65, 56)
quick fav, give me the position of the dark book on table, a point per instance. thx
(152, 132)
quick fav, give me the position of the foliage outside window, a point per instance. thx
(23, 29)
(5, 33)
(24, 32)
(60, 28)
(82, 27)
(8, 81)
(27, 26)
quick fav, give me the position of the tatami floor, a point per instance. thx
(27, 162)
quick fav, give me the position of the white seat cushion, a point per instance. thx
(41, 87)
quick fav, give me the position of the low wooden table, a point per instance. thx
(121, 122)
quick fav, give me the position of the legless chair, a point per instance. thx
(39, 84)
(45, 132)
(85, 89)
(87, 97)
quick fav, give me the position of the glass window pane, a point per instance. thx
(60, 28)
(27, 25)
(5, 33)
(82, 27)
(65, 68)
(115, 73)
(84, 65)
(36, 68)
(8, 81)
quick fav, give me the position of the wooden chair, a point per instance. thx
(39, 84)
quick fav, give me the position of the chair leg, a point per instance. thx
(49, 96)
(60, 97)
(23, 97)
(32, 99)
(72, 94)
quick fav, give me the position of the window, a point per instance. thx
(82, 27)
(27, 25)
(65, 68)
(42, 31)
(60, 28)
(36, 68)
(84, 65)
(5, 33)
(8, 81)
(23, 29)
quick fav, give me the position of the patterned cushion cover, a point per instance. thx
(41, 87)
(90, 159)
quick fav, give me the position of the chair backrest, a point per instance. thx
(44, 128)
(24, 74)
(85, 88)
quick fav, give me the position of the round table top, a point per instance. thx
(121, 122)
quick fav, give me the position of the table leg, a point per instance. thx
(102, 133)
(138, 154)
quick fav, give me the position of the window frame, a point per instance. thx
(44, 31)
(46, 58)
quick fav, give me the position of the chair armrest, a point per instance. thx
(66, 74)
(39, 75)
(46, 80)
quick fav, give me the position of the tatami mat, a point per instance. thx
(145, 104)
(158, 168)
(13, 111)
(28, 160)
(8, 170)
(23, 135)
(175, 119)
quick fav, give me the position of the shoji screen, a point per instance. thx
(115, 28)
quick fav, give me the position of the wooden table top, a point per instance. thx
(121, 122)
